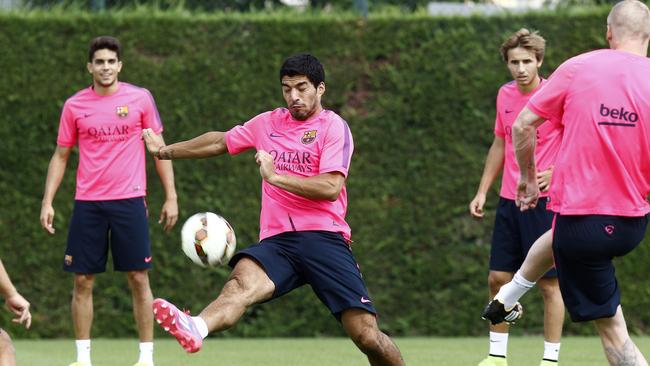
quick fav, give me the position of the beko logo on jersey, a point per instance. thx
(623, 117)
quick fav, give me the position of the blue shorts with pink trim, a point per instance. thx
(321, 259)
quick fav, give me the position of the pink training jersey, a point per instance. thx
(107, 130)
(603, 101)
(321, 144)
(510, 101)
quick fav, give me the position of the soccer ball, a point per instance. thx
(208, 239)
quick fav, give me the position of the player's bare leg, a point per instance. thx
(496, 279)
(7, 350)
(82, 305)
(619, 348)
(539, 260)
(248, 284)
(142, 300)
(553, 309)
(498, 332)
(362, 328)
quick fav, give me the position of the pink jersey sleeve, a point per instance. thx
(337, 149)
(243, 137)
(150, 117)
(548, 102)
(498, 123)
(67, 128)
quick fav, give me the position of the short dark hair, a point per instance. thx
(104, 42)
(303, 64)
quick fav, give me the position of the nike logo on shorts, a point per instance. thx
(147, 259)
(364, 300)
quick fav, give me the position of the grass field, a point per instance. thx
(523, 351)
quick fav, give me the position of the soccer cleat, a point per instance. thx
(548, 363)
(494, 361)
(496, 313)
(178, 324)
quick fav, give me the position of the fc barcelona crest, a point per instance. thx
(123, 111)
(309, 137)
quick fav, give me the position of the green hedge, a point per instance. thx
(418, 93)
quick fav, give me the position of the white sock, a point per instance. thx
(201, 326)
(551, 351)
(146, 353)
(498, 344)
(512, 291)
(83, 351)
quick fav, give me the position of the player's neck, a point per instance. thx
(525, 89)
(105, 90)
(316, 112)
(634, 47)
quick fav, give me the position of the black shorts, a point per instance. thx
(515, 232)
(321, 259)
(95, 226)
(583, 247)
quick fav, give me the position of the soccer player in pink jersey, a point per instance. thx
(105, 120)
(304, 154)
(514, 231)
(601, 182)
(17, 304)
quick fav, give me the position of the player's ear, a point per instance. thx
(320, 90)
(539, 63)
(89, 66)
(609, 34)
(119, 66)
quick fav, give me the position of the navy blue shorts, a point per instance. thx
(515, 232)
(96, 225)
(583, 247)
(321, 259)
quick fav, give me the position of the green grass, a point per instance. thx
(523, 351)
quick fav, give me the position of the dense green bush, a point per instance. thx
(418, 94)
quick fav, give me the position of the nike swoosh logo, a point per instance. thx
(508, 111)
(273, 134)
(147, 259)
(364, 300)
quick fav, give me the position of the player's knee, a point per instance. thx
(367, 338)
(496, 280)
(138, 279)
(83, 284)
(6, 345)
(550, 289)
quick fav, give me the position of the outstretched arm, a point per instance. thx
(203, 146)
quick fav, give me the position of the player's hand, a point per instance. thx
(154, 142)
(544, 179)
(527, 194)
(169, 214)
(476, 206)
(19, 306)
(47, 218)
(265, 161)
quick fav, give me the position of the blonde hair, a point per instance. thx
(526, 39)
